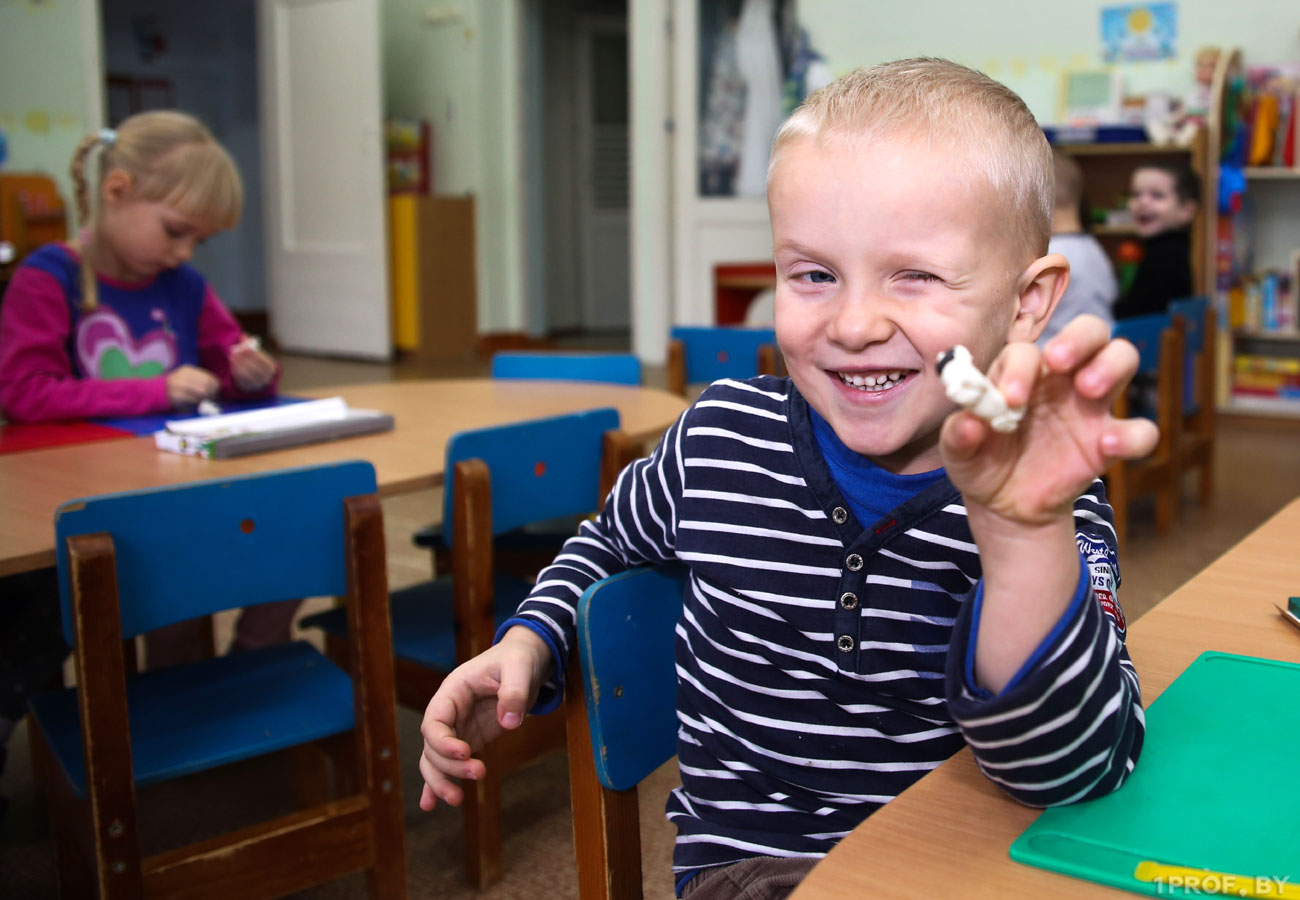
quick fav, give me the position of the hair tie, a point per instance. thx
(107, 137)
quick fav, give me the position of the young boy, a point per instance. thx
(1163, 198)
(1092, 288)
(875, 580)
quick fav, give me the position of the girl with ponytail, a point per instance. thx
(115, 322)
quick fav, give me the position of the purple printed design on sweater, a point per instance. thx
(107, 350)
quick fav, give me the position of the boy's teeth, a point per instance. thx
(874, 383)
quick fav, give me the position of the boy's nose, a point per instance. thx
(861, 320)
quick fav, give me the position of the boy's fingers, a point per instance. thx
(439, 786)
(1015, 372)
(1109, 370)
(1129, 439)
(1074, 344)
(515, 690)
(962, 435)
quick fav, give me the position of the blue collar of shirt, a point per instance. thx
(870, 491)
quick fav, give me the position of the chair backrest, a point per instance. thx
(626, 631)
(189, 550)
(1195, 313)
(540, 469)
(722, 351)
(611, 368)
(1144, 333)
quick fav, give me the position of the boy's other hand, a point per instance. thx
(475, 703)
(1068, 436)
(251, 368)
(187, 385)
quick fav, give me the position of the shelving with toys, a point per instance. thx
(1258, 246)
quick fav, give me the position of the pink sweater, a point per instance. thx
(59, 362)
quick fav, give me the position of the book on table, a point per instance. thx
(274, 428)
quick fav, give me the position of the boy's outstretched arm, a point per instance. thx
(1038, 676)
(492, 692)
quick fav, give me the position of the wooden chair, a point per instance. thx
(502, 478)
(1195, 447)
(621, 708)
(700, 355)
(524, 552)
(134, 561)
(1160, 360)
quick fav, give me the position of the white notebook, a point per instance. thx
(273, 428)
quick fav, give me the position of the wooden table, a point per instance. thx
(948, 835)
(408, 458)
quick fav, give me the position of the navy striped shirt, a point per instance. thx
(822, 662)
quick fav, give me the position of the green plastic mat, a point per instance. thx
(1215, 790)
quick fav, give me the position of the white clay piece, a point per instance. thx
(971, 389)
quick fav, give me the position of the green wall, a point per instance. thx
(43, 108)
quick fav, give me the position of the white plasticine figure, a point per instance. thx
(967, 386)
(208, 408)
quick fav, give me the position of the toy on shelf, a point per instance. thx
(1179, 126)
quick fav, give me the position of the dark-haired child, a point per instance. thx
(1164, 198)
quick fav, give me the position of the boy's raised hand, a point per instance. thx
(475, 703)
(1068, 436)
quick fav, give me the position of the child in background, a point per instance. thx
(116, 323)
(876, 579)
(1092, 287)
(1163, 200)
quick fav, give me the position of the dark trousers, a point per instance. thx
(759, 878)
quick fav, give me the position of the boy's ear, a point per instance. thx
(116, 186)
(1039, 290)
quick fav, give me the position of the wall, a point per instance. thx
(1018, 43)
(50, 49)
(462, 74)
(210, 57)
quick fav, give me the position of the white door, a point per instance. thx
(604, 174)
(323, 176)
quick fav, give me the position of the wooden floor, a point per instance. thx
(1258, 470)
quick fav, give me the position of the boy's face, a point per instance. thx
(1155, 205)
(886, 255)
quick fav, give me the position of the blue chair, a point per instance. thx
(1195, 448)
(608, 368)
(1159, 384)
(701, 354)
(526, 551)
(135, 561)
(500, 479)
(621, 711)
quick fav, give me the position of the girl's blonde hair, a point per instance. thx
(984, 125)
(171, 158)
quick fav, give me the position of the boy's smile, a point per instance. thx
(886, 255)
(1155, 204)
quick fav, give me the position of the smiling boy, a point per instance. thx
(1163, 199)
(875, 580)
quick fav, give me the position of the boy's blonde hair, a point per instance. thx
(171, 158)
(984, 125)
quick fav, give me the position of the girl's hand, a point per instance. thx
(474, 704)
(249, 366)
(187, 385)
(1068, 436)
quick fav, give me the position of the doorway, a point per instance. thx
(201, 58)
(584, 193)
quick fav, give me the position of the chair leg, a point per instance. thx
(72, 872)
(482, 817)
(1205, 479)
(1167, 506)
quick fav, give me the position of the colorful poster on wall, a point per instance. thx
(1139, 33)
